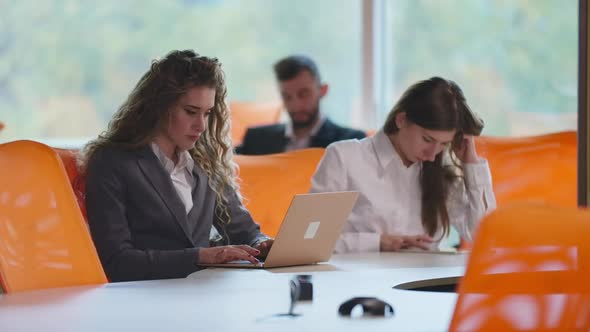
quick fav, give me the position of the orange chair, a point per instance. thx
(268, 183)
(44, 242)
(1, 125)
(248, 114)
(529, 270)
(536, 168)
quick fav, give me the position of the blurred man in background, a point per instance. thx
(301, 90)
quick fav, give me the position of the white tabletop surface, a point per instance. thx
(246, 300)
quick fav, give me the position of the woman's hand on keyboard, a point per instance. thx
(224, 254)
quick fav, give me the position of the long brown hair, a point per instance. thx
(147, 108)
(437, 104)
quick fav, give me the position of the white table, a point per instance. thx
(245, 300)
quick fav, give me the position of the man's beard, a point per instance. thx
(307, 123)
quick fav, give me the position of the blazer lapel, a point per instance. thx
(323, 137)
(200, 186)
(281, 144)
(277, 141)
(201, 190)
(160, 180)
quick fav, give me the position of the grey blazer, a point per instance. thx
(139, 224)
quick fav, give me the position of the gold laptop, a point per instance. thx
(309, 231)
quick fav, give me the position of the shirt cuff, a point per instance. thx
(192, 255)
(371, 242)
(477, 174)
(358, 242)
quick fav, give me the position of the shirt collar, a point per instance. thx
(290, 132)
(185, 160)
(384, 149)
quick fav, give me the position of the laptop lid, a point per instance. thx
(309, 230)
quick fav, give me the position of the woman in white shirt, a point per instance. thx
(417, 176)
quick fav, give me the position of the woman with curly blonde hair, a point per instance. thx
(162, 176)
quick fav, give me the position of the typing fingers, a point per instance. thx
(248, 249)
(230, 253)
(240, 253)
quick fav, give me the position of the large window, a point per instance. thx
(66, 65)
(516, 60)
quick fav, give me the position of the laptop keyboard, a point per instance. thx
(243, 261)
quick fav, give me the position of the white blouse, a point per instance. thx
(181, 174)
(390, 193)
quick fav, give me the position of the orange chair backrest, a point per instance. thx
(529, 269)
(540, 169)
(535, 168)
(268, 183)
(248, 114)
(69, 158)
(44, 241)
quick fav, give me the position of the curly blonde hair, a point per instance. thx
(136, 122)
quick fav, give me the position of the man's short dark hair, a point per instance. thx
(289, 67)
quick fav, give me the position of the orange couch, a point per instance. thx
(536, 168)
(269, 182)
(248, 114)
(263, 179)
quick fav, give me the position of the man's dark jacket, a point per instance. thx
(271, 138)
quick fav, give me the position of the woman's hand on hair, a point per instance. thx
(465, 150)
(224, 254)
(390, 242)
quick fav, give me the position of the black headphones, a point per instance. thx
(372, 306)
